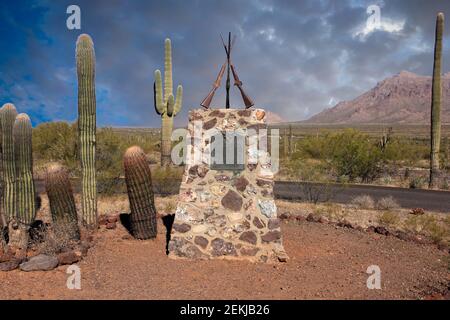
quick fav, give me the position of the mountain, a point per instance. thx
(402, 98)
(273, 117)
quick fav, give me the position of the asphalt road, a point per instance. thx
(407, 198)
(300, 191)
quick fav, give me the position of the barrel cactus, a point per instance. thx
(140, 193)
(61, 199)
(85, 57)
(165, 103)
(436, 103)
(22, 133)
(8, 115)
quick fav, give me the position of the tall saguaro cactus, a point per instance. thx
(22, 132)
(61, 199)
(85, 57)
(165, 103)
(140, 193)
(436, 104)
(8, 115)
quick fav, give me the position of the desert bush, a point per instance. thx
(436, 231)
(56, 141)
(351, 153)
(166, 180)
(419, 223)
(417, 183)
(387, 203)
(332, 211)
(363, 202)
(56, 238)
(429, 225)
(406, 149)
(388, 218)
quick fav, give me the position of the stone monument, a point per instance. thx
(226, 208)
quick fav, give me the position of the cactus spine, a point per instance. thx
(140, 193)
(8, 115)
(22, 132)
(165, 103)
(85, 57)
(436, 104)
(60, 197)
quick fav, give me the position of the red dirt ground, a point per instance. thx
(326, 262)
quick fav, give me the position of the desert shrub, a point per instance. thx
(332, 211)
(417, 183)
(363, 202)
(428, 224)
(387, 203)
(166, 181)
(419, 223)
(388, 218)
(316, 183)
(352, 154)
(109, 153)
(406, 149)
(436, 231)
(56, 239)
(56, 141)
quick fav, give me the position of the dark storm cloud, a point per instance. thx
(293, 56)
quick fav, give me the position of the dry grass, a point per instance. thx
(437, 229)
(388, 218)
(433, 225)
(387, 203)
(57, 238)
(363, 202)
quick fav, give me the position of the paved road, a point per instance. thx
(407, 198)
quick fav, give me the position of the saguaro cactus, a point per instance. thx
(436, 104)
(140, 193)
(22, 132)
(60, 197)
(8, 115)
(85, 57)
(165, 103)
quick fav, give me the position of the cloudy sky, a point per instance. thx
(295, 57)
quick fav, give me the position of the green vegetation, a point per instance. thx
(351, 155)
(57, 142)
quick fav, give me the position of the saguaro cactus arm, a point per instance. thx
(159, 101)
(168, 82)
(178, 101)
